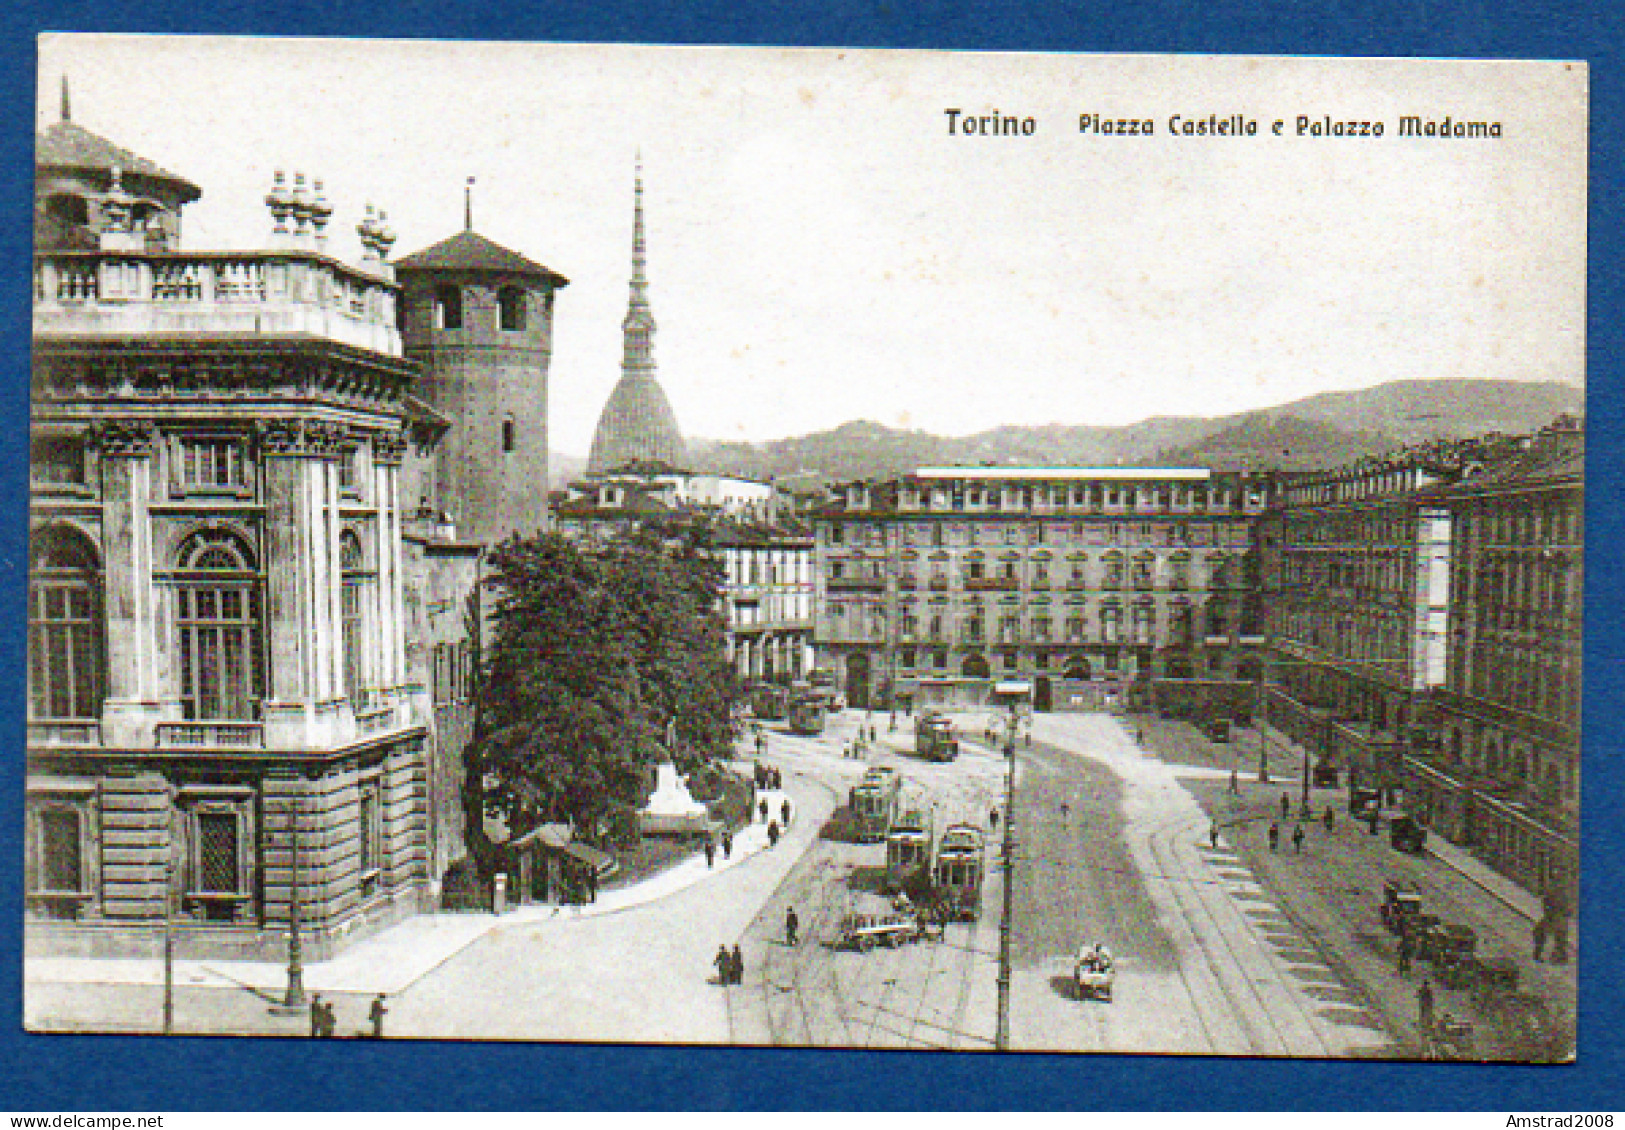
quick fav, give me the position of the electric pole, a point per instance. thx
(1002, 1039)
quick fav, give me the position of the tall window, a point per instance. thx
(351, 565)
(61, 862)
(217, 862)
(218, 617)
(448, 308)
(511, 308)
(65, 644)
(510, 438)
(369, 834)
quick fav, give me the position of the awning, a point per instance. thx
(601, 862)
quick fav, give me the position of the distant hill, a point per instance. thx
(1318, 431)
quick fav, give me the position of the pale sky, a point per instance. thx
(821, 249)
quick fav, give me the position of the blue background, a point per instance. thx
(62, 1073)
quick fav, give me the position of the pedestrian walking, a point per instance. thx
(1560, 940)
(1406, 951)
(330, 1020)
(1328, 818)
(1213, 834)
(724, 964)
(727, 844)
(761, 743)
(891, 726)
(993, 819)
(791, 925)
(784, 812)
(1424, 1005)
(761, 806)
(710, 853)
(318, 1012)
(592, 884)
(1235, 783)
(1297, 838)
(773, 833)
(376, 1014)
(1372, 817)
(1139, 737)
(1540, 938)
(738, 964)
(1286, 805)
(1275, 835)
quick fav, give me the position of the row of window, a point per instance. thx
(976, 666)
(216, 856)
(219, 634)
(1182, 624)
(956, 534)
(1550, 520)
(1096, 496)
(512, 312)
(1114, 573)
(198, 464)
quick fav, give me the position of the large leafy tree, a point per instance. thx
(603, 660)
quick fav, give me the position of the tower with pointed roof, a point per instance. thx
(479, 318)
(637, 425)
(90, 193)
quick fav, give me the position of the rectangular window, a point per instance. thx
(57, 460)
(350, 472)
(219, 651)
(369, 837)
(211, 463)
(217, 853)
(64, 649)
(61, 863)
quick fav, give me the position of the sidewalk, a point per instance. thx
(392, 960)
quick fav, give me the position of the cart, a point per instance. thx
(863, 932)
(1401, 899)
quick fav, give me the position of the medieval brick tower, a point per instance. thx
(479, 319)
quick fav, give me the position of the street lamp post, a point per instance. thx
(1002, 1039)
(1263, 732)
(169, 929)
(295, 996)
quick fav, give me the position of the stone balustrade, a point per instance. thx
(259, 292)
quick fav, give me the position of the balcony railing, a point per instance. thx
(991, 584)
(939, 584)
(857, 584)
(375, 721)
(65, 732)
(210, 735)
(260, 292)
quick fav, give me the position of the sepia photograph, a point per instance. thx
(853, 549)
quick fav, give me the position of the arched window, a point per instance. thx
(352, 564)
(217, 616)
(511, 308)
(66, 660)
(448, 308)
